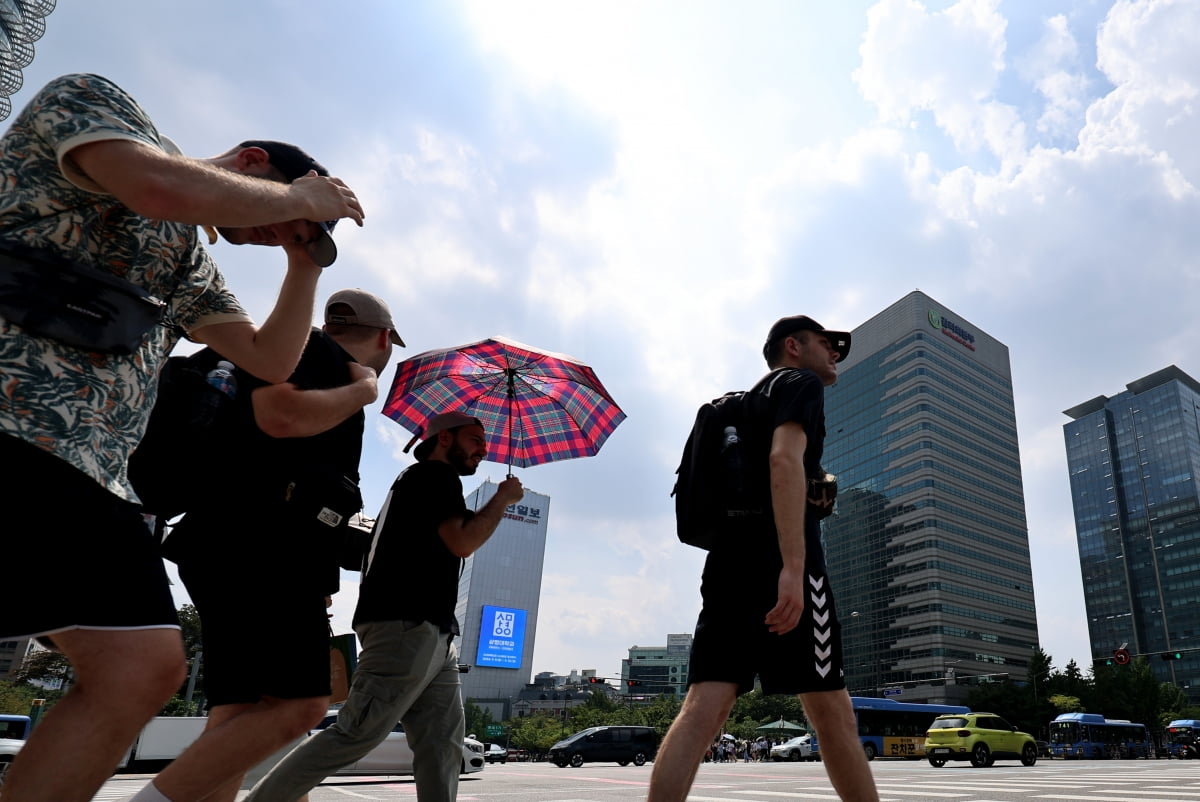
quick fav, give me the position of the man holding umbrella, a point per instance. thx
(408, 668)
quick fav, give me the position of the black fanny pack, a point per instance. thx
(82, 306)
(321, 497)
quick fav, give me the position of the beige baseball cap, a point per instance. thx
(367, 309)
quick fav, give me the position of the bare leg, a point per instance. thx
(704, 710)
(237, 738)
(832, 716)
(122, 678)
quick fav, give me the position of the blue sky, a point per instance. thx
(647, 186)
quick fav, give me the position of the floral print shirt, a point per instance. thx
(90, 408)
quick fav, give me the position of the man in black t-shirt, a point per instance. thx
(261, 558)
(767, 606)
(408, 668)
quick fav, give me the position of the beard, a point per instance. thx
(457, 457)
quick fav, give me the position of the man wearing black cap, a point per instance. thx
(267, 546)
(767, 607)
(408, 668)
(88, 178)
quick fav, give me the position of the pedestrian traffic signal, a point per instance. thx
(1171, 655)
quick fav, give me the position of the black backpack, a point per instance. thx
(717, 493)
(184, 449)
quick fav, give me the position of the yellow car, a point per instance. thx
(981, 738)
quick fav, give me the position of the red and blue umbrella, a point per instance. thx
(536, 406)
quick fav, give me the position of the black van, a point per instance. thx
(623, 745)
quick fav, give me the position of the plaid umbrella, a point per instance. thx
(536, 406)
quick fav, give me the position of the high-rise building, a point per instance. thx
(928, 549)
(658, 669)
(498, 595)
(1134, 461)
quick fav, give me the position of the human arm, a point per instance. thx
(463, 536)
(164, 186)
(285, 410)
(789, 492)
(271, 351)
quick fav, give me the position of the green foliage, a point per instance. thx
(16, 699)
(1065, 704)
(478, 720)
(537, 733)
(43, 666)
(189, 622)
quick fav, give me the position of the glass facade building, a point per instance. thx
(928, 548)
(1133, 461)
(659, 670)
(498, 595)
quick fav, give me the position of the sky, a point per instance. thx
(647, 186)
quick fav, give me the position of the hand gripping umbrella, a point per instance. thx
(536, 406)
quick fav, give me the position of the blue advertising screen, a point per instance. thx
(501, 637)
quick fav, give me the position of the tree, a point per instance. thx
(478, 719)
(189, 623)
(536, 733)
(1065, 704)
(44, 666)
(16, 699)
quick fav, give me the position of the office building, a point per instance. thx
(928, 549)
(1134, 460)
(498, 595)
(658, 670)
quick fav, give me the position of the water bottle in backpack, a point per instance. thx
(733, 464)
(223, 388)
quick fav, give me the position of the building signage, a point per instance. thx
(951, 329)
(523, 513)
(501, 637)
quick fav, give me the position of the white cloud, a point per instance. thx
(948, 63)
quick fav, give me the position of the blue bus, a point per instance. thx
(893, 729)
(1091, 735)
(1181, 738)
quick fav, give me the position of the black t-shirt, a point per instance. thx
(323, 365)
(249, 521)
(410, 574)
(784, 395)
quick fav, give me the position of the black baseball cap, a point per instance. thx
(294, 163)
(786, 326)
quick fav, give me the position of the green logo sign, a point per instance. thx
(951, 329)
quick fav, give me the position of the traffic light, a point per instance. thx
(594, 680)
(1171, 655)
(1108, 661)
(632, 682)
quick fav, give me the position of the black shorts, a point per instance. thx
(75, 556)
(732, 644)
(262, 636)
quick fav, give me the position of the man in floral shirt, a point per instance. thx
(85, 174)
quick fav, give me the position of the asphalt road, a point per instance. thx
(899, 781)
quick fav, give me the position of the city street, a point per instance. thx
(1008, 781)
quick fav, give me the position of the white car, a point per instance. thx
(393, 756)
(8, 750)
(798, 748)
